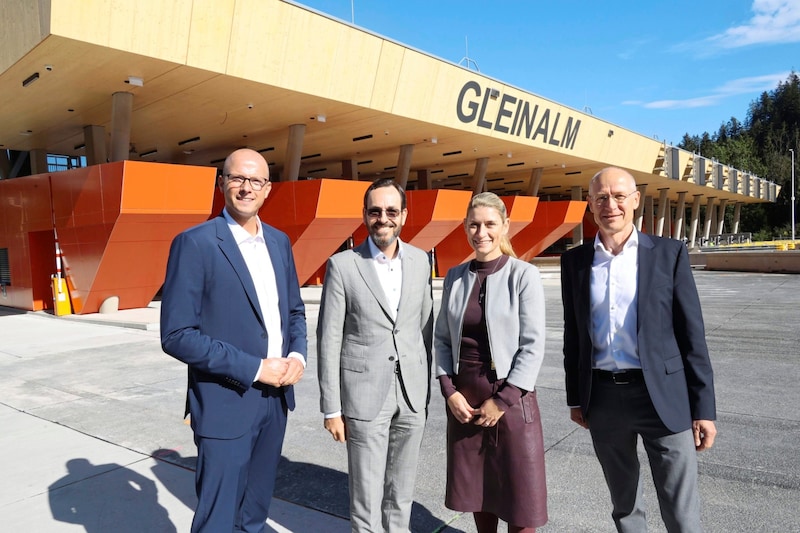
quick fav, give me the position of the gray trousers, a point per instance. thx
(382, 457)
(618, 415)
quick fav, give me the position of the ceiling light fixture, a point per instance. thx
(136, 81)
(187, 141)
(30, 79)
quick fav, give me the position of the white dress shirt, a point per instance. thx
(259, 264)
(390, 273)
(613, 306)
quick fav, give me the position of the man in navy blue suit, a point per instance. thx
(231, 310)
(636, 359)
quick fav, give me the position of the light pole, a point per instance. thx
(792, 150)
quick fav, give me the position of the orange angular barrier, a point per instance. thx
(26, 233)
(432, 216)
(115, 223)
(318, 216)
(455, 249)
(551, 222)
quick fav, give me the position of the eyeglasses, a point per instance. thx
(375, 212)
(603, 199)
(255, 183)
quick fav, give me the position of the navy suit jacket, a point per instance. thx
(211, 320)
(670, 332)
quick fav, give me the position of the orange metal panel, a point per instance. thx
(455, 249)
(26, 231)
(432, 216)
(551, 222)
(115, 223)
(318, 216)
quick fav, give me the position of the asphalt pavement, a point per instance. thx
(93, 438)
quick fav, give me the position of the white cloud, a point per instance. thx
(774, 21)
(752, 85)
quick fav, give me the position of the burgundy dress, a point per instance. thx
(499, 470)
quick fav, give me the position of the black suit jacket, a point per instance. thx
(670, 332)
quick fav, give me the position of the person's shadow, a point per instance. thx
(107, 497)
(315, 487)
(326, 490)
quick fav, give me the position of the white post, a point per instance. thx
(792, 150)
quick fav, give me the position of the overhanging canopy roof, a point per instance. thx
(226, 74)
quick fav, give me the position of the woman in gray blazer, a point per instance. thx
(489, 344)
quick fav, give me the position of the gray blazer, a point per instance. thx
(514, 321)
(358, 341)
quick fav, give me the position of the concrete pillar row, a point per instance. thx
(695, 217)
(535, 182)
(721, 216)
(638, 214)
(577, 233)
(649, 215)
(121, 112)
(663, 204)
(404, 164)
(350, 169)
(680, 213)
(294, 150)
(479, 176)
(94, 139)
(668, 233)
(424, 182)
(737, 214)
(38, 161)
(5, 165)
(709, 217)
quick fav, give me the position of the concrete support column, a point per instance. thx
(424, 181)
(404, 164)
(121, 112)
(694, 221)
(38, 161)
(737, 214)
(5, 165)
(577, 233)
(721, 216)
(94, 137)
(638, 217)
(709, 217)
(479, 176)
(680, 212)
(668, 222)
(294, 149)
(350, 169)
(663, 204)
(649, 215)
(535, 182)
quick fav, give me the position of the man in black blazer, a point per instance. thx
(636, 359)
(231, 310)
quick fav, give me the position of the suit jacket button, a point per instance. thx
(391, 358)
(264, 335)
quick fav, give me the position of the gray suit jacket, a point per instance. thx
(359, 342)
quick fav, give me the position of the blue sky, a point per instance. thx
(659, 68)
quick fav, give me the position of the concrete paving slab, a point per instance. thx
(95, 390)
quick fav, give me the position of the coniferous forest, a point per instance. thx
(761, 145)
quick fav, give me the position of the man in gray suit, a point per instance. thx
(374, 361)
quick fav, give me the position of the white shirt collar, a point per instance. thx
(240, 234)
(632, 242)
(379, 256)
